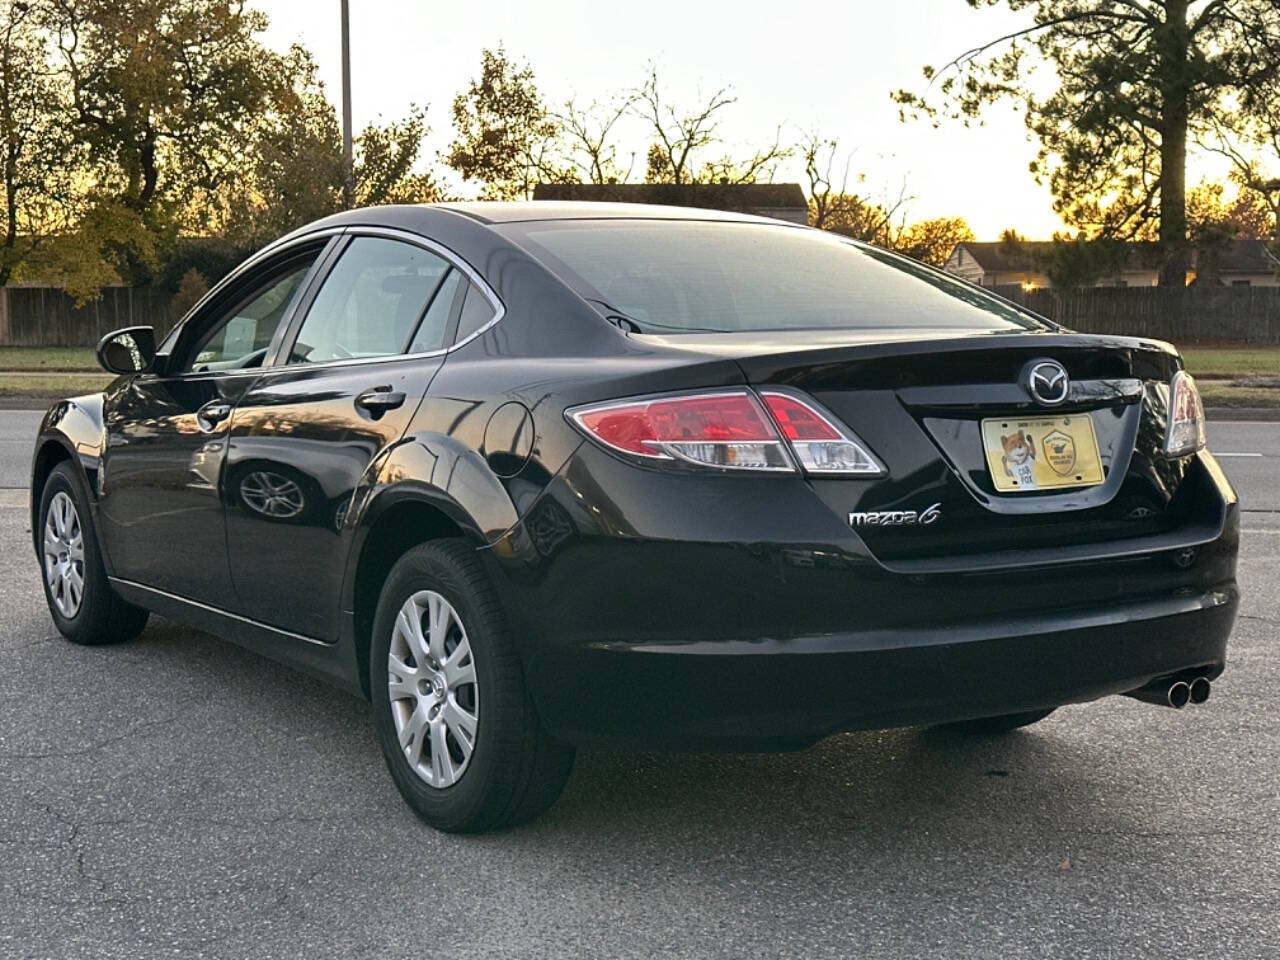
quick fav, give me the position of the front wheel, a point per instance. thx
(84, 607)
(453, 717)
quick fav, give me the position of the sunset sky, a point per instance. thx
(804, 65)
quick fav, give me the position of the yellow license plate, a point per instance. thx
(1041, 453)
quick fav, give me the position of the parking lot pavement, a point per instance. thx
(17, 433)
(178, 795)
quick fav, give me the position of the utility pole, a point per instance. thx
(348, 168)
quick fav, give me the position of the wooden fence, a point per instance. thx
(43, 317)
(1244, 314)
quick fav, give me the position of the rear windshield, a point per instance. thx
(679, 276)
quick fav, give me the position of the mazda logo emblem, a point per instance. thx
(1046, 381)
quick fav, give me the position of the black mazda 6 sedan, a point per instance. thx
(536, 475)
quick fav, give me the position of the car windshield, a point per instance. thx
(684, 276)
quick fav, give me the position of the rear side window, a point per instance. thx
(435, 321)
(370, 303)
(687, 276)
(476, 312)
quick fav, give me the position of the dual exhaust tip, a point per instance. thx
(1174, 692)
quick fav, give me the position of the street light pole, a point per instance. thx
(348, 169)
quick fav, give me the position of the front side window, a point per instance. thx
(688, 276)
(240, 338)
(370, 303)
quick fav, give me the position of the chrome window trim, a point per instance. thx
(273, 248)
(392, 233)
(499, 308)
(295, 245)
(449, 257)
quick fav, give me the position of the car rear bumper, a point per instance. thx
(772, 625)
(780, 694)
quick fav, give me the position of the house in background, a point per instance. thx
(782, 201)
(1241, 263)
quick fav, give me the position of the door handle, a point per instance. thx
(379, 400)
(212, 414)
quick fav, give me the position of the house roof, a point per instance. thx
(1239, 256)
(1245, 256)
(724, 196)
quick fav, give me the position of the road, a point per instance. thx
(179, 796)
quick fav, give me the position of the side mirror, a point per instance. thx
(131, 350)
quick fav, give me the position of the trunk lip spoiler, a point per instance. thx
(1084, 395)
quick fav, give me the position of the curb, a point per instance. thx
(26, 403)
(1265, 414)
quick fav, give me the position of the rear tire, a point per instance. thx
(992, 726)
(84, 607)
(455, 722)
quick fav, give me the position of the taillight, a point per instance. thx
(727, 429)
(819, 442)
(1185, 433)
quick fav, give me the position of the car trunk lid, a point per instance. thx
(918, 402)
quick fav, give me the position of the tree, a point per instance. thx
(163, 96)
(1136, 78)
(1214, 224)
(932, 241)
(831, 204)
(586, 133)
(1252, 145)
(1081, 261)
(36, 155)
(504, 134)
(85, 257)
(163, 90)
(191, 290)
(386, 163)
(682, 135)
(292, 169)
(1213, 220)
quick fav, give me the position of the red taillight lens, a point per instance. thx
(730, 429)
(797, 420)
(819, 442)
(1186, 429)
(727, 429)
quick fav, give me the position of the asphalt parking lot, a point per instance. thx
(179, 796)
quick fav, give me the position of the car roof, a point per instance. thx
(430, 219)
(515, 211)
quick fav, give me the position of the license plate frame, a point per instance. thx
(1053, 453)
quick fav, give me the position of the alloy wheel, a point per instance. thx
(431, 680)
(64, 555)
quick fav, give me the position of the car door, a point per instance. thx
(161, 513)
(343, 390)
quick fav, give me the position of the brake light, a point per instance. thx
(1185, 433)
(820, 444)
(730, 429)
(727, 429)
